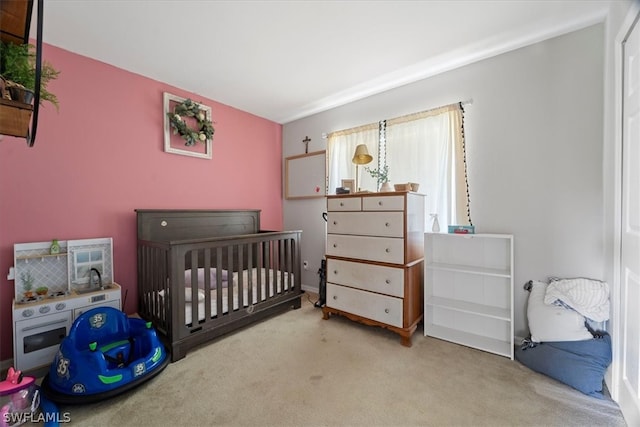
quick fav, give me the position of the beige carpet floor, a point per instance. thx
(296, 369)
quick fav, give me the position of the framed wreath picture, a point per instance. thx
(188, 129)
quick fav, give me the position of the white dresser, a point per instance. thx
(375, 257)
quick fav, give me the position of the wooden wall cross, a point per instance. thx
(306, 142)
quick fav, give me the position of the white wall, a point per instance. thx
(534, 150)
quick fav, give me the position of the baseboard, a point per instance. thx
(308, 288)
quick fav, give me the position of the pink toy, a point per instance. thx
(17, 394)
(4, 415)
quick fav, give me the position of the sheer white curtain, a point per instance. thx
(341, 146)
(427, 148)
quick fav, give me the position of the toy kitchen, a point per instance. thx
(55, 282)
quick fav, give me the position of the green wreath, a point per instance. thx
(189, 108)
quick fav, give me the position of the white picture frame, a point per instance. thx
(174, 143)
(350, 184)
(305, 176)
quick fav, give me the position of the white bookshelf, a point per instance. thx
(468, 290)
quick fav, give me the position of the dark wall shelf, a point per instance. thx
(15, 118)
(15, 23)
(15, 20)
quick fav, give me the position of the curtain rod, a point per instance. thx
(463, 103)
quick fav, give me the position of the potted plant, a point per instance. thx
(382, 176)
(42, 290)
(27, 283)
(17, 67)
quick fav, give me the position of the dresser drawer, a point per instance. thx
(368, 277)
(382, 249)
(344, 204)
(387, 224)
(383, 203)
(373, 306)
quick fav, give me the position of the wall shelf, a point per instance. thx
(14, 118)
(470, 307)
(15, 21)
(502, 348)
(472, 270)
(28, 257)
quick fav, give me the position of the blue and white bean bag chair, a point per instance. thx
(563, 345)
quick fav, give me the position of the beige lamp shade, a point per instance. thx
(361, 156)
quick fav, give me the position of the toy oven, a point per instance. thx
(38, 338)
(48, 293)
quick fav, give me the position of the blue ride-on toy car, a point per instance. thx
(105, 353)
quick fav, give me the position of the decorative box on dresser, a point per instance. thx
(375, 258)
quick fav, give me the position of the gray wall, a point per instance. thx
(534, 150)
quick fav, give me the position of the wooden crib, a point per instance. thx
(204, 273)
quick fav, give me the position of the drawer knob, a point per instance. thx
(380, 203)
(341, 204)
(387, 250)
(386, 224)
(335, 297)
(335, 245)
(335, 271)
(387, 281)
(335, 222)
(386, 310)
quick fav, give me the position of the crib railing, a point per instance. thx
(262, 269)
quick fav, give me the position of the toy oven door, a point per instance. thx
(38, 339)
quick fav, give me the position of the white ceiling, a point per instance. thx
(284, 60)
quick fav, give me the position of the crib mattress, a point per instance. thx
(269, 287)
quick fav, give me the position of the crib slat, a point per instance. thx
(241, 286)
(250, 285)
(219, 312)
(207, 283)
(230, 290)
(192, 287)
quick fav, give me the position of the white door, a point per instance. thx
(629, 381)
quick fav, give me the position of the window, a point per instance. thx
(340, 149)
(426, 148)
(84, 261)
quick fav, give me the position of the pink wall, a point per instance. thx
(102, 156)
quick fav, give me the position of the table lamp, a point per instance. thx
(361, 157)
